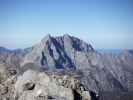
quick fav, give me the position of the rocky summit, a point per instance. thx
(35, 85)
(64, 68)
(59, 52)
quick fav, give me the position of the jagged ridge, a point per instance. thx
(99, 72)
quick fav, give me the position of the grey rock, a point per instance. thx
(103, 72)
(68, 54)
(3, 90)
(40, 85)
(29, 86)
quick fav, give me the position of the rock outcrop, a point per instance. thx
(35, 85)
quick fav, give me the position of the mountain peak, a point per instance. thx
(46, 38)
(66, 35)
(68, 41)
(58, 52)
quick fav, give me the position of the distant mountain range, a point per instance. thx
(97, 70)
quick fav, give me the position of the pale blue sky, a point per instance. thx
(103, 23)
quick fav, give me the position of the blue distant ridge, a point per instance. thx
(110, 51)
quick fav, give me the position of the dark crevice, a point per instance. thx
(93, 96)
(77, 96)
(44, 61)
(63, 57)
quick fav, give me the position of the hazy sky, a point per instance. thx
(103, 23)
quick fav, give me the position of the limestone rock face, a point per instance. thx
(7, 89)
(35, 86)
(103, 72)
(58, 52)
(97, 71)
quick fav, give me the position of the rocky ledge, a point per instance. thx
(35, 85)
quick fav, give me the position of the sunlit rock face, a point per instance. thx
(103, 72)
(35, 85)
(68, 54)
(59, 52)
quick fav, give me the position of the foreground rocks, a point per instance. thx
(34, 85)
